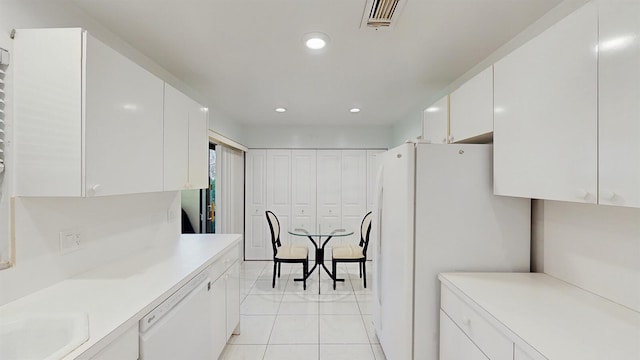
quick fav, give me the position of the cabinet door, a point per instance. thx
(454, 344)
(619, 102)
(47, 133)
(329, 188)
(232, 279)
(354, 193)
(176, 139)
(303, 194)
(123, 124)
(198, 146)
(471, 108)
(436, 122)
(217, 293)
(125, 347)
(545, 137)
(257, 242)
(374, 161)
(279, 189)
(518, 354)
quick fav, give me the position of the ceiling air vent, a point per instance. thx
(381, 14)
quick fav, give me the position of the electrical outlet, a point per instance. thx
(70, 240)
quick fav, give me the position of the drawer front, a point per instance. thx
(493, 343)
(125, 347)
(454, 344)
(223, 263)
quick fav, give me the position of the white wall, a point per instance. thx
(595, 247)
(407, 129)
(226, 126)
(112, 227)
(317, 137)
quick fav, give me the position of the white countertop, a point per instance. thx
(117, 296)
(559, 320)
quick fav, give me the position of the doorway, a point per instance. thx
(209, 195)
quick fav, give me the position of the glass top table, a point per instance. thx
(319, 233)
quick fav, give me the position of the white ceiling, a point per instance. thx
(247, 56)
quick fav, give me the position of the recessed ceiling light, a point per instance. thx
(281, 109)
(315, 41)
(432, 109)
(354, 110)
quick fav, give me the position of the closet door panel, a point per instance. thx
(354, 192)
(374, 161)
(257, 237)
(303, 194)
(279, 189)
(329, 192)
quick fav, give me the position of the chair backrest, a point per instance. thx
(274, 226)
(365, 231)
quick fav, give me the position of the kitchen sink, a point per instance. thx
(42, 336)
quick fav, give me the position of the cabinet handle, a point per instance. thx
(302, 211)
(94, 190)
(444, 140)
(582, 194)
(466, 321)
(607, 195)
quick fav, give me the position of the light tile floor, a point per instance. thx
(287, 322)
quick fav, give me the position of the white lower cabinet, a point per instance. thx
(218, 315)
(125, 347)
(519, 354)
(232, 287)
(491, 342)
(224, 289)
(454, 344)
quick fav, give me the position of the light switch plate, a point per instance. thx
(70, 240)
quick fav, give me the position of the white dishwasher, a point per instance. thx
(180, 327)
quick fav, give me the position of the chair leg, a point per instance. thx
(364, 274)
(360, 268)
(279, 266)
(275, 266)
(305, 267)
(335, 273)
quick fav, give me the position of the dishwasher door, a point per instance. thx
(184, 332)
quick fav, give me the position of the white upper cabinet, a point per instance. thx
(619, 102)
(186, 144)
(436, 122)
(198, 146)
(546, 98)
(88, 121)
(176, 139)
(471, 109)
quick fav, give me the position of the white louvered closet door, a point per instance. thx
(257, 238)
(374, 161)
(329, 193)
(354, 192)
(303, 194)
(279, 190)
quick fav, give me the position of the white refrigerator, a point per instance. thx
(436, 212)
